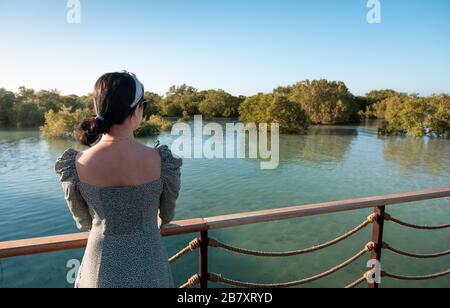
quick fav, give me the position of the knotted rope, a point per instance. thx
(357, 282)
(413, 255)
(415, 278)
(192, 282)
(219, 279)
(388, 217)
(195, 244)
(216, 244)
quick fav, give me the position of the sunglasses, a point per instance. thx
(144, 104)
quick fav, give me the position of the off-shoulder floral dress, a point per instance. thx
(125, 248)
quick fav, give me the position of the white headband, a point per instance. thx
(139, 89)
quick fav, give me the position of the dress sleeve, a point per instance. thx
(65, 167)
(171, 176)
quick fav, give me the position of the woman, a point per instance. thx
(118, 188)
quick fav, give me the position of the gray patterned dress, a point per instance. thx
(125, 248)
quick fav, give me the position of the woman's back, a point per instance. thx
(119, 189)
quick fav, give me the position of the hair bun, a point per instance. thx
(92, 129)
(99, 126)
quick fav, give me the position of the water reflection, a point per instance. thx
(424, 154)
(322, 144)
(327, 144)
(58, 146)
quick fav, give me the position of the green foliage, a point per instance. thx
(64, 123)
(325, 102)
(377, 96)
(26, 114)
(376, 103)
(185, 117)
(28, 107)
(317, 102)
(439, 122)
(163, 124)
(153, 126)
(6, 105)
(86, 101)
(417, 116)
(274, 108)
(393, 109)
(219, 104)
(289, 115)
(185, 101)
(180, 99)
(376, 111)
(254, 109)
(154, 104)
(363, 103)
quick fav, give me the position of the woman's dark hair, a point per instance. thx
(113, 95)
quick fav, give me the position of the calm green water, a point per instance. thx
(331, 163)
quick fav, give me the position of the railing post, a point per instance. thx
(377, 238)
(203, 260)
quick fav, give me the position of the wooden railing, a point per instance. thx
(203, 225)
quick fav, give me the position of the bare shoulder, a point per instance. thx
(84, 156)
(149, 152)
(150, 158)
(150, 162)
(119, 165)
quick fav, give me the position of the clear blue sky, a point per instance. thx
(242, 46)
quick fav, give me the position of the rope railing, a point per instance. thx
(389, 217)
(216, 278)
(235, 283)
(416, 278)
(359, 281)
(413, 255)
(217, 244)
(365, 277)
(192, 282)
(194, 245)
(387, 246)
